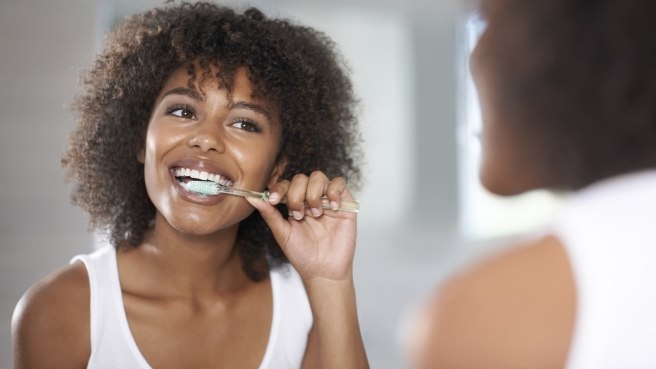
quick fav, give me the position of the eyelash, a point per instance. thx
(250, 126)
(253, 126)
(184, 108)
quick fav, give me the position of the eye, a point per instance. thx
(246, 125)
(181, 111)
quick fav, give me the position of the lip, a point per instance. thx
(200, 165)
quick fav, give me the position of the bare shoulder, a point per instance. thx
(50, 325)
(513, 310)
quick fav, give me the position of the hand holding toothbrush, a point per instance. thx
(320, 244)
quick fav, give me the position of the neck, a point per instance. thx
(193, 265)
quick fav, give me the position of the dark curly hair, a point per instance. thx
(292, 67)
(581, 75)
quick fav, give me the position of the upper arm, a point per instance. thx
(516, 311)
(50, 325)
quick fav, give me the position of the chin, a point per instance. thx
(505, 184)
(194, 224)
(193, 229)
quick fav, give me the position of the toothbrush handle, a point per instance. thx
(352, 206)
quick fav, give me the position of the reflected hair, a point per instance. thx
(294, 68)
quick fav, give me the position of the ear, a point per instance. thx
(277, 171)
(141, 156)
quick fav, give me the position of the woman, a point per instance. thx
(568, 95)
(199, 92)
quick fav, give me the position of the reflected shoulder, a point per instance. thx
(50, 325)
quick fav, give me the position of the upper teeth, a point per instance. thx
(203, 176)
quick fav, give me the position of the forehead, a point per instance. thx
(203, 80)
(207, 80)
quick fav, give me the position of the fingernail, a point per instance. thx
(316, 212)
(274, 197)
(297, 215)
(333, 204)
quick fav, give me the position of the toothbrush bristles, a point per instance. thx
(203, 187)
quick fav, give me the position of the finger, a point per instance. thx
(278, 225)
(336, 190)
(317, 185)
(296, 196)
(277, 191)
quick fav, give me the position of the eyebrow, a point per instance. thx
(185, 91)
(254, 107)
(195, 95)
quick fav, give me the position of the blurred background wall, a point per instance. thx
(408, 62)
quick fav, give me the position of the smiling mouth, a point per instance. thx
(184, 175)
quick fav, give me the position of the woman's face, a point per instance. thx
(200, 130)
(498, 62)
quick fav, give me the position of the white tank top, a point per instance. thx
(112, 343)
(609, 233)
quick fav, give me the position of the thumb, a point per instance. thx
(279, 226)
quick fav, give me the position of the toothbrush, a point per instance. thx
(212, 188)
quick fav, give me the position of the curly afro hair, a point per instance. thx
(292, 67)
(581, 75)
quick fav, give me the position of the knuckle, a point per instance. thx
(339, 180)
(317, 174)
(299, 177)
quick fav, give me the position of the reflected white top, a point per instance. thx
(112, 343)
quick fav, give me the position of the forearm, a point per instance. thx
(338, 343)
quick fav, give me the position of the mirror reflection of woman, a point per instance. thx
(202, 92)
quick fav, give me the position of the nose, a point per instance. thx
(207, 140)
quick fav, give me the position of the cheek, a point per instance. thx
(258, 165)
(257, 158)
(151, 153)
(511, 161)
(150, 167)
(497, 161)
(155, 136)
(159, 141)
(500, 158)
(161, 138)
